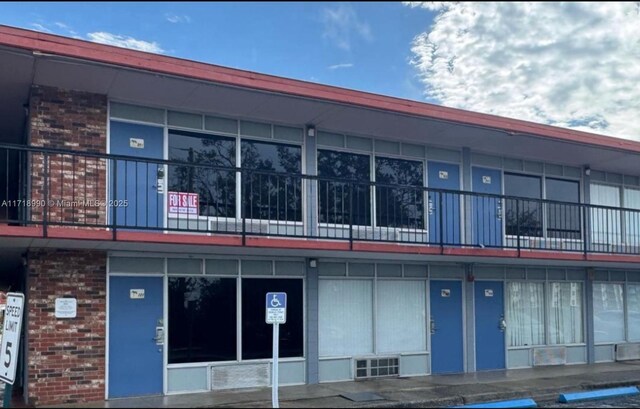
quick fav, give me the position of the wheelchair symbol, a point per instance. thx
(275, 302)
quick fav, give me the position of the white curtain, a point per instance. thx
(605, 223)
(632, 218)
(608, 312)
(401, 316)
(633, 309)
(525, 313)
(565, 319)
(345, 309)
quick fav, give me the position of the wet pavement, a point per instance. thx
(543, 384)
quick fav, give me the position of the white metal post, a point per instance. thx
(274, 366)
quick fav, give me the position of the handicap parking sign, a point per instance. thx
(276, 308)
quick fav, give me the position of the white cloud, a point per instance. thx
(174, 18)
(125, 41)
(40, 27)
(339, 66)
(341, 23)
(566, 64)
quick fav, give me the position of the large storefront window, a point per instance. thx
(345, 317)
(608, 312)
(343, 202)
(400, 316)
(216, 188)
(523, 217)
(605, 223)
(565, 313)
(266, 195)
(525, 314)
(257, 335)
(399, 206)
(193, 336)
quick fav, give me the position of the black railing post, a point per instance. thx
(45, 216)
(351, 215)
(242, 207)
(114, 208)
(440, 221)
(518, 225)
(585, 239)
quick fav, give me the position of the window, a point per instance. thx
(525, 314)
(523, 217)
(257, 335)
(565, 319)
(345, 314)
(400, 316)
(632, 217)
(216, 188)
(608, 312)
(633, 310)
(193, 301)
(563, 220)
(266, 195)
(399, 206)
(605, 223)
(343, 202)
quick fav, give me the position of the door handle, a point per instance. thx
(159, 338)
(499, 209)
(502, 323)
(432, 326)
(430, 206)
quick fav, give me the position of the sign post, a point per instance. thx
(11, 342)
(276, 314)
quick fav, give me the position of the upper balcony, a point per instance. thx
(53, 193)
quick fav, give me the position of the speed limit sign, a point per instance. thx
(11, 337)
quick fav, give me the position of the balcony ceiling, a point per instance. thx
(19, 69)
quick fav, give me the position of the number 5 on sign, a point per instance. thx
(11, 337)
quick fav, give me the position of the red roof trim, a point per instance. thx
(53, 44)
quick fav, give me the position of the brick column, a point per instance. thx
(66, 357)
(69, 120)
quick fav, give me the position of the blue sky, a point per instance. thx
(568, 64)
(364, 46)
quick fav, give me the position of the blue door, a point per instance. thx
(135, 356)
(486, 211)
(136, 181)
(489, 305)
(446, 327)
(444, 207)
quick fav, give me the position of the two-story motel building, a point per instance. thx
(168, 196)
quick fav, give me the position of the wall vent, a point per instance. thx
(377, 367)
(628, 352)
(240, 376)
(549, 356)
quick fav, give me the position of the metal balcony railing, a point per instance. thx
(50, 187)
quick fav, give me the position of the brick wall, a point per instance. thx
(70, 120)
(66, 357)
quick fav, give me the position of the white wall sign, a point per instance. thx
(488, 292)
(136, 294)
(445, 293)
(11, 337)
(443, 174)
(486, 180)
(66, 308)
(137, 143)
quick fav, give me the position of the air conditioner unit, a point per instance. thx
(627, 352)
(377, 367)
(240, 376)
(549, 356)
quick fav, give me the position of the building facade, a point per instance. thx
(167, 197)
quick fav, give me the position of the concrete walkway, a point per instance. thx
(542, 384)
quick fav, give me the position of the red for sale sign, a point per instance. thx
(184, 203)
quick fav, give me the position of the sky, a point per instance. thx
(573, 65)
